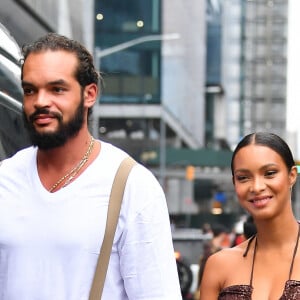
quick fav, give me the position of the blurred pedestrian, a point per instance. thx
(219, 240)
(238, 231)
(54, 195)
(266, 266)
(207, 231)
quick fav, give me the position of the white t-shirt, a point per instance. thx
(49, 242)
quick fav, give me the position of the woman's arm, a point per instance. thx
(211, 283)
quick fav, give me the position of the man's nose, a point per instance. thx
(41, 99)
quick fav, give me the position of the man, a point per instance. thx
(54, 195)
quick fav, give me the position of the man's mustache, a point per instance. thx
(44, 111)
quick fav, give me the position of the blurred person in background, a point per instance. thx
(266, 266)
(243, 230)
(220, 239)
(238, 232)
(206, 230)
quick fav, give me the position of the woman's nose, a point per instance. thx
(258, 184)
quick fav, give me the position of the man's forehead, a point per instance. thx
(51, 62)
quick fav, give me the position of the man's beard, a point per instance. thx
(50, 140)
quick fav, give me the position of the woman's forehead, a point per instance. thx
(257, 153)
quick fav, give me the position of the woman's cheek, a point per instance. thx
(240, 193)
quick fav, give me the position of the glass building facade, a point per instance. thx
(213, 66)
(131, 75)
(213, 43)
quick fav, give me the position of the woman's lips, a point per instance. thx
(260, 201)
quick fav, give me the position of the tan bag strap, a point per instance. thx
(113, 212)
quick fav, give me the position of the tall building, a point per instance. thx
(264, 66)
(153, 81)
(154, 93)
(254, 67)
(231, 20)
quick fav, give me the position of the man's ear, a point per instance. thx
(90, 94)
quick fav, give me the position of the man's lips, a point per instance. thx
(42, 116)
(43, 119)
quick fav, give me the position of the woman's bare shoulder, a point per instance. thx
(222, 268)
(228, 255)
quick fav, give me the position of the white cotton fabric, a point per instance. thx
(49, 242)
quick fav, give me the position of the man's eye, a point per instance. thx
(28, 91)
(58, 89)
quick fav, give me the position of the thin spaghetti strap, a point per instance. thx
(254, 252)
(295, 252)
(253, 259)
(248, 245)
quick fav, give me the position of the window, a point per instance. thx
(131, 75)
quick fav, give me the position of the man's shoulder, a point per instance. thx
(112, 151)
(114, 155)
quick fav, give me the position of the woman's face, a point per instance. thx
(262, 181)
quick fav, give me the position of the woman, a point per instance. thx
(266, 266)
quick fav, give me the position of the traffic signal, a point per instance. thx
(217, 208)
(190, 173)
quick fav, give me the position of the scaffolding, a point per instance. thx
(264, 64)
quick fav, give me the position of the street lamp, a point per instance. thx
(99, 53)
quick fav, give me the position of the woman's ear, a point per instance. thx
(293, 175)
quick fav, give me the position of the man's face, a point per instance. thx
(54, 108)
(65, 130)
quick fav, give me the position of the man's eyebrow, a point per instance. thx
(59, 81)
(26, 83)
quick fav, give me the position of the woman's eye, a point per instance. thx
(241, 178)
(270, 173)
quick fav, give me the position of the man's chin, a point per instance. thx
(48, 141)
